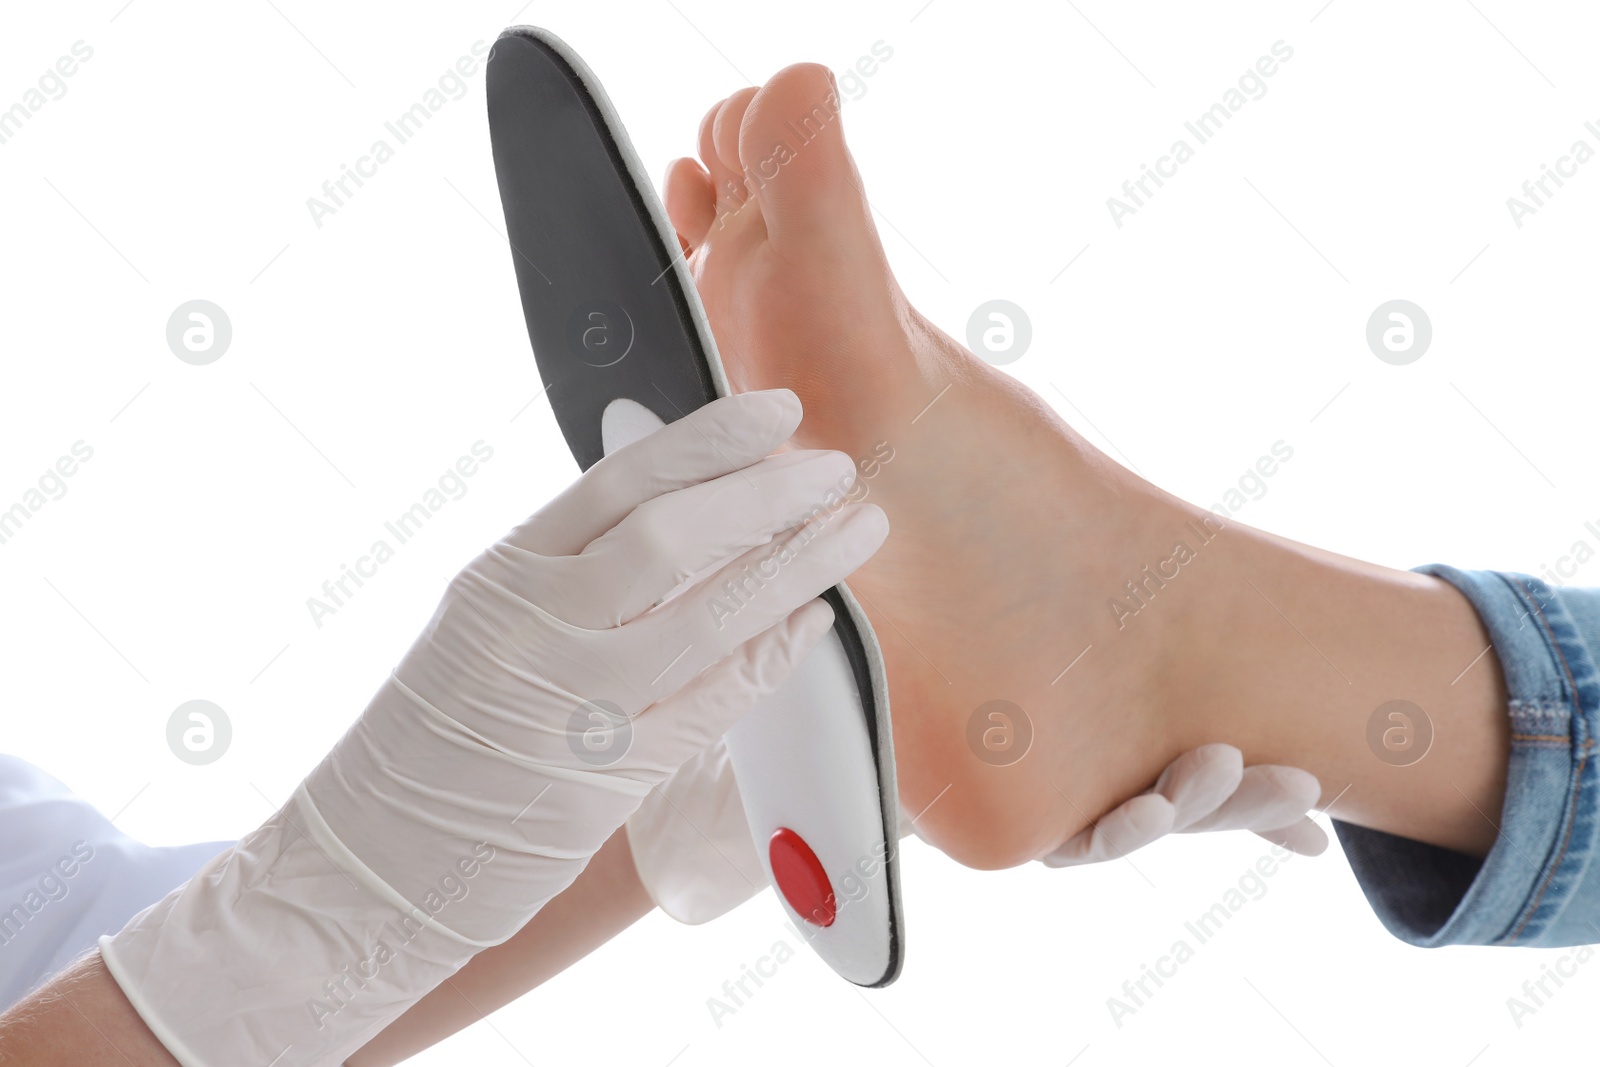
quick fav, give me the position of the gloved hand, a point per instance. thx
(694, 854)
(559, 681)
(1207, 788)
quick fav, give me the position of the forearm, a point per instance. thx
(603, 901)
(80, 1018)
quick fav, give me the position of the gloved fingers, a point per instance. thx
(1302, 836)
(1268, 796)
(1199, 782)
(672, 537)
(695, 717)
(1124, 829)
(707, 621)
(725, 435)
(624, 669)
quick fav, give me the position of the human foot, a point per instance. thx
(1013, 540)
(980, 593)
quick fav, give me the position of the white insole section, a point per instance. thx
(803, 760)
(624, 422)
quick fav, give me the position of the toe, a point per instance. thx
(725, 129)
(727, 182)
(691, 202)
(793, 154)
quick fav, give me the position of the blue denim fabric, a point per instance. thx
(1540, 883)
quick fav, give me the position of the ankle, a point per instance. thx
(1295, 650)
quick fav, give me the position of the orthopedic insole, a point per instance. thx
(623, 347)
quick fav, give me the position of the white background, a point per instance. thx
(371, 353)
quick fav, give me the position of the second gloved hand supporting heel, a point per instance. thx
(1207, 788)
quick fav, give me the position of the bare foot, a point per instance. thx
(1005, 522)
(1014, 542)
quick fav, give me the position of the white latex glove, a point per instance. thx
(551, 690)
(694, 853)
(1207, 788)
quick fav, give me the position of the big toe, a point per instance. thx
(793, 154)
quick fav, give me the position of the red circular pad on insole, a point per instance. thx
(800, 878)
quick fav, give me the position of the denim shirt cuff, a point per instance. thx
(1538, 885)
